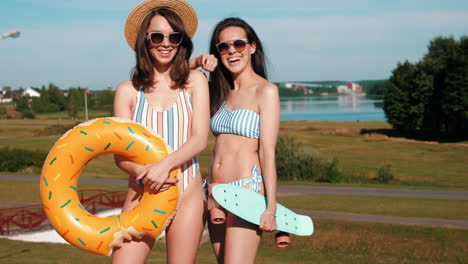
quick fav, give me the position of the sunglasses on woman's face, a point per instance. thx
(157, 38)
(239, 45)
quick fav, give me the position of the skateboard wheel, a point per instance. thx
(217, 216)
(282, 239)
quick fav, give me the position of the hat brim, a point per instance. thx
(183, 9)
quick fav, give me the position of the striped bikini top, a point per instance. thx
(242, 122)
(173, 125)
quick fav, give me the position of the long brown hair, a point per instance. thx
(143, 72)
(221, 82)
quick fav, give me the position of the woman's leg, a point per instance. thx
(238, 230)
(136, 250)
(184, 233)
(242, 240)
(217, 236)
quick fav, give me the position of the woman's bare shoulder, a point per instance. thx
(196, 78)
(267, 89)
(197, 75)
(126, 87)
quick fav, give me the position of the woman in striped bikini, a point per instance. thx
(172, 100)
(245, 120)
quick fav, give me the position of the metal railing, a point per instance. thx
(32, 217)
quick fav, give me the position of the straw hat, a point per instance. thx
(183, 9)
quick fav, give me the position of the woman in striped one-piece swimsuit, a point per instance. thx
(167, 97)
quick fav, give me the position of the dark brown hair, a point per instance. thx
(221, 81)
(143, 72)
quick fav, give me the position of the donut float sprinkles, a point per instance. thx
(61, 171)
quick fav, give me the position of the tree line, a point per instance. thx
(429, 98)
(52, 99)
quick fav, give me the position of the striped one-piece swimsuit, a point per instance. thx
(173, 125)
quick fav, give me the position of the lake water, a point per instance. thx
(332, 108)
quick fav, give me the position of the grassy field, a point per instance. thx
(81, 115)
(30, 190)
(333, 242)
(416, 164)
(391, 206)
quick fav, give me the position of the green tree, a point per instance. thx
(56, 97)
(37, 105)
(74, 102)
(396, 100)
(106, 98)
(51, 100)
(430, 98)
(375, 88)
(21, 101)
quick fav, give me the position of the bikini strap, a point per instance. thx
(254, 181)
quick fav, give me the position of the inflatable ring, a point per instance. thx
(60, 175)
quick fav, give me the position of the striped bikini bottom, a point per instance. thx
(217, 214)
(254, 182)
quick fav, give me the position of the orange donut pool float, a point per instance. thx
(61, 172)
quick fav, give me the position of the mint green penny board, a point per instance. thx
(250, 206)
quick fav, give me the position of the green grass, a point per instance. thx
(27, 191)
(81, 115)
(333, 242)
(392, 185)
(416, 164)
(391, 206)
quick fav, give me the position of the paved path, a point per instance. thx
(401, 220)
(8, 204)
(284, 190)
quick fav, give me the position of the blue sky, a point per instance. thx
(81, 42)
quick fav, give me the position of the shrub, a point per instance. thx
(16, 159)
(28, 114)
(293, 164)
(331, 172)
(385, 174)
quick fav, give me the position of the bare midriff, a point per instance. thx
(233, 158)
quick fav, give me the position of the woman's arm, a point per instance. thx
(208, 62)
(157, 173)
(269, 106)
(124, 100)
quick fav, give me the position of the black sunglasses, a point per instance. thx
(157, 38)
(239, 45)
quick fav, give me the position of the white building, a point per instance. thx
(6, 96)
(349, 88)
(31, 92)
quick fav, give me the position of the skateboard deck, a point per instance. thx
(250, 206)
